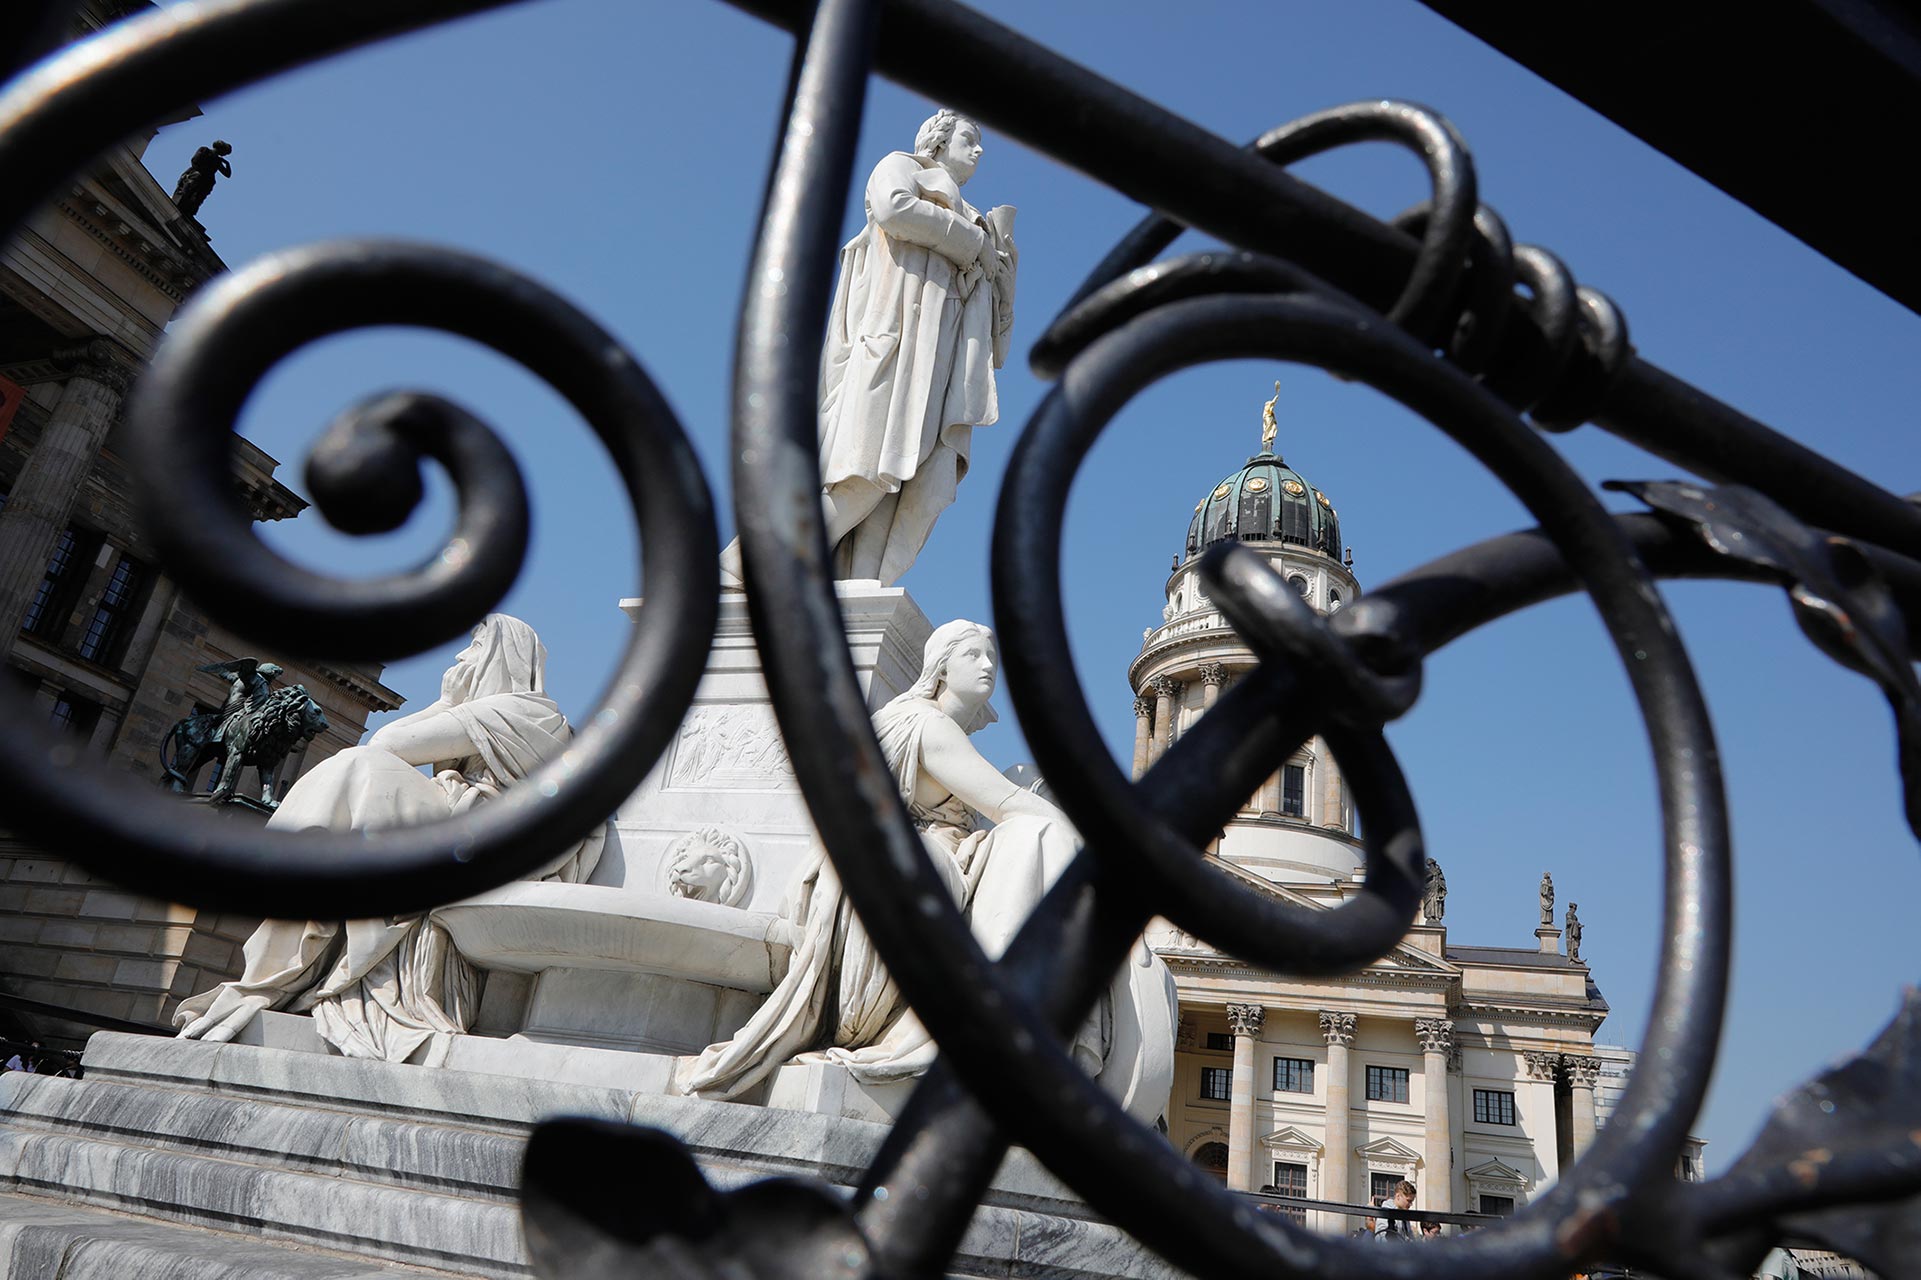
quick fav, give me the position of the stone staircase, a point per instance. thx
(188, 1161)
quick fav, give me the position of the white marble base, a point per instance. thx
(832, 1091)
(728, 766)
(241, 1147)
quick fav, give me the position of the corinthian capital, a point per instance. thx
(1143, 708)
(1245, 1019)
(1436, 1034)
(1542, 1066)
(1583, 1072)
(1214, 673)
(1167, 686)
(1338, 1028)
(98, 360)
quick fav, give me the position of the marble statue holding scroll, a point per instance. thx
(921, 319)
(836, 1003)
(395, 989)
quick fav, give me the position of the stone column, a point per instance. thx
(1213, 676)
(1437, 1156)
(1167, 691)
(1339, 1030)
(1244, 1020)
(50, 482)
(1542, 1069)
(1583, 1074)
(1143, 732)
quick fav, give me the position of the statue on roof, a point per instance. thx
(1573, 932)
(1434, 894)
(1269, 427)
(1547, 901)
(196, 184)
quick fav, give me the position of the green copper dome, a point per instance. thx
(1266, 501)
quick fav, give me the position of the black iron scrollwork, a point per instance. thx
(1424, 310)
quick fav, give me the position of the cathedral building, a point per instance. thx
(1467, 1070)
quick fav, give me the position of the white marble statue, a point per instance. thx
(836, 1004)
(921, 317)
(385, 988)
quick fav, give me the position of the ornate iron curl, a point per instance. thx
(1564, 353)
(182, 412)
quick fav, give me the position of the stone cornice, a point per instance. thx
(150, 253)
(1545, 1011)
(377, 695)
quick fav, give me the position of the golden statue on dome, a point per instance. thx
(1270, 428)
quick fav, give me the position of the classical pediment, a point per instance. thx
(1388, 1154)
(1493, 1175)
(1288, 1138)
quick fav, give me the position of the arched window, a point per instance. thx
(1333, 600)
(1300, 584)
(1212, 1156)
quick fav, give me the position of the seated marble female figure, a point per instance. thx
(836, 1003)
(385, 988)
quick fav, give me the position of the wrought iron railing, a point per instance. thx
(1836, 1163)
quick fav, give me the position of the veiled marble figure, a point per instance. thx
(396, 988)
(836, 1003)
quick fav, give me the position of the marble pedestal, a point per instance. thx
(727, 767)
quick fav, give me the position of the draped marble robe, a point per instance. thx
(836, 1003)
(386, 988)
(907, 369)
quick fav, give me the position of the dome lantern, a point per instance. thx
(1266, 501)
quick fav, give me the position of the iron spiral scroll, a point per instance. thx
(1425, 310)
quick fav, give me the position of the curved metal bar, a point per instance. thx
(82, 100)
(188, 403)
(182, 412)
(1141, 290)
(1425, 302)
(1061, 732)
(1031, 93)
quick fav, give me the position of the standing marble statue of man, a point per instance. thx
(920, 321)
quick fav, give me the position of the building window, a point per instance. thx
(1220, 1040)
(1380, 1186)
(1217, 1083)
(1300, 585)
(1294, 790)
(1333, 600)
(1493, 1106)
(1212, 1156)
(111, 617)
(1294, 1075)
(1387, 1084)
(1290, 1180)
(75, 714)
(1500, 1206)
(59, 565)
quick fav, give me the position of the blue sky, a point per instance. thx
(617, 152)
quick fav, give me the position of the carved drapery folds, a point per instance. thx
(1338, 1028)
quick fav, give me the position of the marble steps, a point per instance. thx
(135, 1150)
(41, 1240)
(420, 1166)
